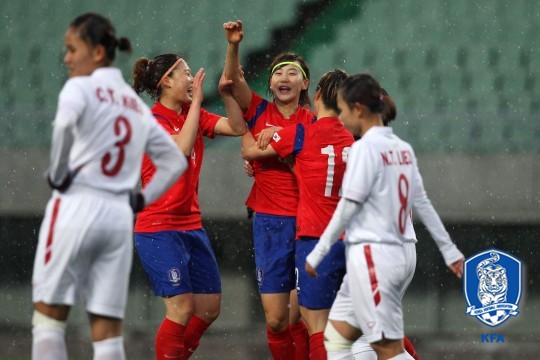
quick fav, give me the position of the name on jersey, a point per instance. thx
(108, 96)
(401, 157)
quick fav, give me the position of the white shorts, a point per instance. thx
(85, 249)
(370, 295)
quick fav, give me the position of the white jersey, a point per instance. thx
(102, 129)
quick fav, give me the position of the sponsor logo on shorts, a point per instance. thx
(260, 275)
(276, 137)
(174, 276)
(492, 282)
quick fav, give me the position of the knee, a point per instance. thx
(277, 323)
(210, 314)
(334, 341)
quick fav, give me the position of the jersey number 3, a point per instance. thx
(329, 150)
(108, 167)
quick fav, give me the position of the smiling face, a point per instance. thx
(286, 84)
(179, 84)
(81, 58)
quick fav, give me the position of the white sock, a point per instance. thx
(403, 356)
(109, 349)
(48, 343)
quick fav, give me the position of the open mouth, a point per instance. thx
(190, 91)
(284, 89)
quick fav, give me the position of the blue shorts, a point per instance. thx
(274, 241)
(179, 262)
(320, 292)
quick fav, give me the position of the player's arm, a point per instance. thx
(232, 70)
(59, 175)
(185, 140)
(250, 150)
(345, 211)
(234, 124)
(423, 207)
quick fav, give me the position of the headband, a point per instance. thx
(168, 72)
(290, 63)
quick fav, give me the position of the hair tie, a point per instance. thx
(381, 97)
(290, 63)
(168, 72)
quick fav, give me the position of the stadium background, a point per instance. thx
(465, 77)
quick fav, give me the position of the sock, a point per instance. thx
(402, 356)
(301, 340)
(194, 331)
(170, 340)
(109, 349)
(316, 346)
(48, 343)
(281, 344)
(409, 347)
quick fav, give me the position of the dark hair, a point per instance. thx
(147, 73)
(390, 111)
(97, 30)
(329, 87)
(289, 56)
(363, 89)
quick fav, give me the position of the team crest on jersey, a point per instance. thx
(276, 137)
(492, 282)
(174, 276)
(260, 275)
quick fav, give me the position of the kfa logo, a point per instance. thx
(492, 283)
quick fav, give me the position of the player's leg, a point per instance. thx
(316, 295)
(54, 289)
(298, 328)
(48, 331)
(105, 289)
(376, 292)
(165, 259)
(274, 242)
(206, 287)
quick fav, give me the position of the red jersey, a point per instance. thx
(276, 190)
(320, 152)
(178, 208)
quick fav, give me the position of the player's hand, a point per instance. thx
(457, 268)
(311, 270)
(66, 183)
(136, 201)
(233, 31)
(265, 136)
(248, 168)
(197, 87)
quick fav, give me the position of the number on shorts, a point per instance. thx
(403, 190)
(329, 150)
(120, 144)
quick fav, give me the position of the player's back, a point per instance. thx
(381, 174)
(319, 168)
(111, 132)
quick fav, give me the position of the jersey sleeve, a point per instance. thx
(256, 108)
(289, 140)
(361, 172)
(72, 100)
(424, 209)
(207, 123)
(162, 120)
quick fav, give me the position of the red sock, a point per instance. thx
(169, 340)
(316, 347)
(281, 344)
(301, 340)
(409, 347)
(194, 332)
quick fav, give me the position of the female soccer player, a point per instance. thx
(173, 246)
(320, 153)
(275, 198)
(381, 184)
(101, 131)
